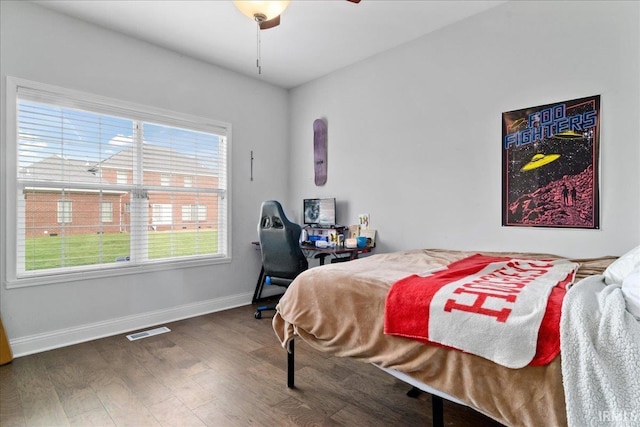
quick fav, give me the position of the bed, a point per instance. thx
(340, 309)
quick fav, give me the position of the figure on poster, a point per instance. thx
(565, 194)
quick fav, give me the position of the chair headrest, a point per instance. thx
(272, 215)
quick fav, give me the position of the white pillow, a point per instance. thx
(622, 267)
(631, 291)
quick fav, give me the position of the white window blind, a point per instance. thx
(98, 184)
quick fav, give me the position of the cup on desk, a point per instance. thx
(361, 241)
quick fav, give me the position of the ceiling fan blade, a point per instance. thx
(354, 1)
(274, 22)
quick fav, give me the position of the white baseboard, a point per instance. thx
(65, 337)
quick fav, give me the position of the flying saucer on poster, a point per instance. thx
(539, 160)
(569, 134)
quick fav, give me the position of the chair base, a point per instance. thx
(267, 307)
(258, 313)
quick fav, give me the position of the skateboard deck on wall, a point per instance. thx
(320, 151)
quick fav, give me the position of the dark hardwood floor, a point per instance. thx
(222, 369)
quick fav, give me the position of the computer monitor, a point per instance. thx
(320, 212)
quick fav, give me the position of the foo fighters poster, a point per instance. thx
(550, 165)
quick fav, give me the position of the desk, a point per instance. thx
(311, 251)
(322, 253)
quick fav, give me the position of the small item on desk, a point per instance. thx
(351, 243)
(363, 219)
(361, 241)
(322, 244)
(370, 234)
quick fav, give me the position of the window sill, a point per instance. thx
(112, 272)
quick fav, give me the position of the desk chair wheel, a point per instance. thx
(257, 315)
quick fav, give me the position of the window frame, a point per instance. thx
(81, 100)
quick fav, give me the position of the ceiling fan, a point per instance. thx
(266, 14)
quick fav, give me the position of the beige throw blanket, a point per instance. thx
(338, 309)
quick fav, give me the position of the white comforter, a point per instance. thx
(600, 348)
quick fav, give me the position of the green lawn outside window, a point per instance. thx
(93, 249)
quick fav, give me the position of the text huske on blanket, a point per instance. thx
(503, 284)
(494, 307)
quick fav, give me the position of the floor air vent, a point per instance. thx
(149, 333)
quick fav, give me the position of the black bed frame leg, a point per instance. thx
(437, 411)
(290, 365)
(414, 392)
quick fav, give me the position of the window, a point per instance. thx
(100, 180)
(161, 214)
(122, 177)
(194, 213)
(165, 180)
(106, 211)
(64, 211)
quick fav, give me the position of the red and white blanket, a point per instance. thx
(503, 309)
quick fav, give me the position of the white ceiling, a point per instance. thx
(313, 39)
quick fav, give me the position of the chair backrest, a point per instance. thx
(280, 243)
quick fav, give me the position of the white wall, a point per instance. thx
(44, 46)
(415, 133)
(414, 140)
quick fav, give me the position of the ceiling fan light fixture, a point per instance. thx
(266, 14)
(262, 10)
